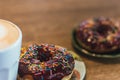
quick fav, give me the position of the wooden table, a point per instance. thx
(52, 21)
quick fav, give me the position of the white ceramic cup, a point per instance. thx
(9, 58)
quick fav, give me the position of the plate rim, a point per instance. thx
(84, 67)
(92, 54)
(74, 54)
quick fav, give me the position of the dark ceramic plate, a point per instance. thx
(76, 45)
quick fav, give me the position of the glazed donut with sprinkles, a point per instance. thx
(45, 62)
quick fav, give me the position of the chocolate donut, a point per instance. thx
(99, 35)
(45, 62)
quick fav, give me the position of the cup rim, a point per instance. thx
(19, 37)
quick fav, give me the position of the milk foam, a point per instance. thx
(3, 31)
(8, 34)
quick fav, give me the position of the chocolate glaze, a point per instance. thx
(45, 62)
(99, 35)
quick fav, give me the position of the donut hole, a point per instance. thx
(44, 55)
(103, 29)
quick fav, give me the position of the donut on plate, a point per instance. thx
(45, 62)
(100, 35)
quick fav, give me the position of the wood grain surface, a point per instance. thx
(52, 21)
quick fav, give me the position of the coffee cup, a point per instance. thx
(10, 45)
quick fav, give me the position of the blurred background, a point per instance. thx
(52, 21)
